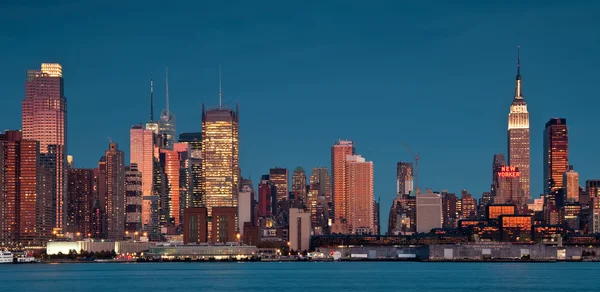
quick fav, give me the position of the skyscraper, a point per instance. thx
(279, 178)
(320, 176)
(133, 200)
(497, 165)
(509, 190)
(220, 158)
(115, 192)
(25, 192)
(339, 152)
(81, 200)
(429, 211)
(556, 154)
(518, 135)
(141, 145)
(45, 120)
(571, 182)
(299, 185)
(404, 178)
(359, 195)
(267, 193)
(167, 123)
(194, 140)
(169, 161)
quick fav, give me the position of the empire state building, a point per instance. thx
(518, 135)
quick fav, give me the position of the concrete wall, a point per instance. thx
(54, 247)
(506, 251)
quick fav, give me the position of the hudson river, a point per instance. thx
(301, 276)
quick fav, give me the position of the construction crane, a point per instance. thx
(416, 158)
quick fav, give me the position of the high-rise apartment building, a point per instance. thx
(556, 154)
(571, 188)
(300, 224)
(44, 114)
(519, 136)
(81, 195)
(339, 152)
(194, 140)
(114, 198)
(359, 195)
(220, 158)
(299, 185)
(25, 193)
(279, 178)
(133, 200)
(404, 178)
(141, 146)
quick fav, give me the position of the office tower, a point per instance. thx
(195, 225)
(169, 162)
(246, 205)
(299, 229)
(267, 194)
(449, 210)
(114, 197)
(556, 154)
(167, 122)
(25, 193)
(486, 199)
(141, 146)
(185, 177)
(312, 201)
(45, 120)
(376, 224)
(220, 158)
(194, 140)
(497, 165)
(359, 195)
(404, 178)
(429, 211)
(509, 190)
(81, 195)
(279, 178)
(572, 215)
(320, 175)
(133, 200)
(224, 224)
(592, 188)
(518, 135)
(339, 152)
(299, 185)
(571, 182)
(468, 205)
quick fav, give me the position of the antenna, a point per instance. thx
(151, 100)
(220, 89)
(109, 140)
(167, 81)
(519, 61)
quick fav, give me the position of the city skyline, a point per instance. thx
(543, 96)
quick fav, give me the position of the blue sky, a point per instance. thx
(438, 75)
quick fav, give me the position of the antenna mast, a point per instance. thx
(167, 81)
(220, 89)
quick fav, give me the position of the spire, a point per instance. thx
(518, 86)
(220, 89)
(167, 81)
(151, 100)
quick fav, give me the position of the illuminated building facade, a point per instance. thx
(25, 193)
(468, 206)
(279, 178)
(80, 194)
(133, 200)
(195, 225)
(320, 175)
(339, 152)
(497, 165)
(267, 194)
(556, 154)
(592, 187)
(572, 215)
(299, 185)
(404, 178)
(194, 140)
(519, 136)
(224, 224)
(516, 228)
(169, 161)
(494, 211)
(449, 210)
(359, 195)
(141, 153)
(312, 201)
(571, 182)
(509, 190)
(220, 158)
(114, 198)
(44, 113)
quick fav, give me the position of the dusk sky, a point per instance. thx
(439, 77)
